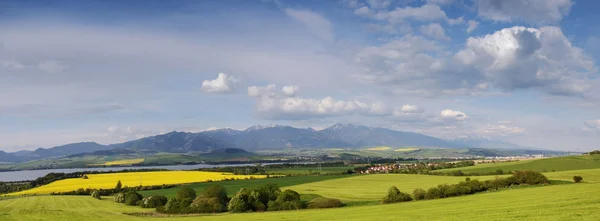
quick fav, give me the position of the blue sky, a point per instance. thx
(112, 71)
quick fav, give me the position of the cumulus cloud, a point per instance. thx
(530, 11)
(519, 57)
(314, 22)
(507, 60)
(408, 108)
(270, 91)
(290, 90)
(223, 84)
(472, 25)
(449, 114)
(434, 30)
(594, 124)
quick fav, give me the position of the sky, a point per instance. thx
(521, 71)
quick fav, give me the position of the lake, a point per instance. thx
(33, 174)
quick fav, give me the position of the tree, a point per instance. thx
(118, 186)
(394, 196)
(96, 194)
(120, 198)
(320, 202)
(577, 179)
(132, 198)
(419, 194)
(153, 201)
(186, 193)
(172, 206)
(240, 203)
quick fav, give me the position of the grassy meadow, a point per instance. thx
(541, 165)
(375, 186)
(560, 202)
(233, 186)
(109, 180)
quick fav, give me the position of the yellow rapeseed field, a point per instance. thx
(109, 180)
(380, 148)
(406, 149)
(120, 162)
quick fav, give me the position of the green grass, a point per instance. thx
(374, 187)
(589, 176)
(560, 202)
(235, 185)
(541, 165)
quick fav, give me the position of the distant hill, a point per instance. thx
(262, 137)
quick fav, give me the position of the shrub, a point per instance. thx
(132, 198)
(172, 206)
(240, 202)
(419, 194)
(324, 203)
(528, 177)
(153, 201)
(186, 193)
(577, 179)
(268, 193)
(96, 194)
(288, 196)
(120, 198)
(433, 193)
(280, 205)
(207, 205)
(394, 196)
(212, 200)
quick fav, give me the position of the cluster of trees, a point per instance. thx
(264, 198)
(595, 152)
(9, 187)
(467, 187)
(460, 173)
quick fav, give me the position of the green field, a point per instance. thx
(541, 165)
(235, 185)
(374, 187)
(560, 202)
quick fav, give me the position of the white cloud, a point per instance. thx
(594, 124)
(434, 30)
(11, 64)
(519, 57)
(270, 91)
(52, 66)
(408, 108)
(530, 11)
(449, 114)
(223, 84)
(455, 21)
(295, 108)
(290, 90)
(472, 25)
(257, 91)
(316, 23)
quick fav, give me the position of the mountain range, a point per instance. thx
(254, 138)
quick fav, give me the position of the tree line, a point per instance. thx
(466, 187)
(214, 199)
